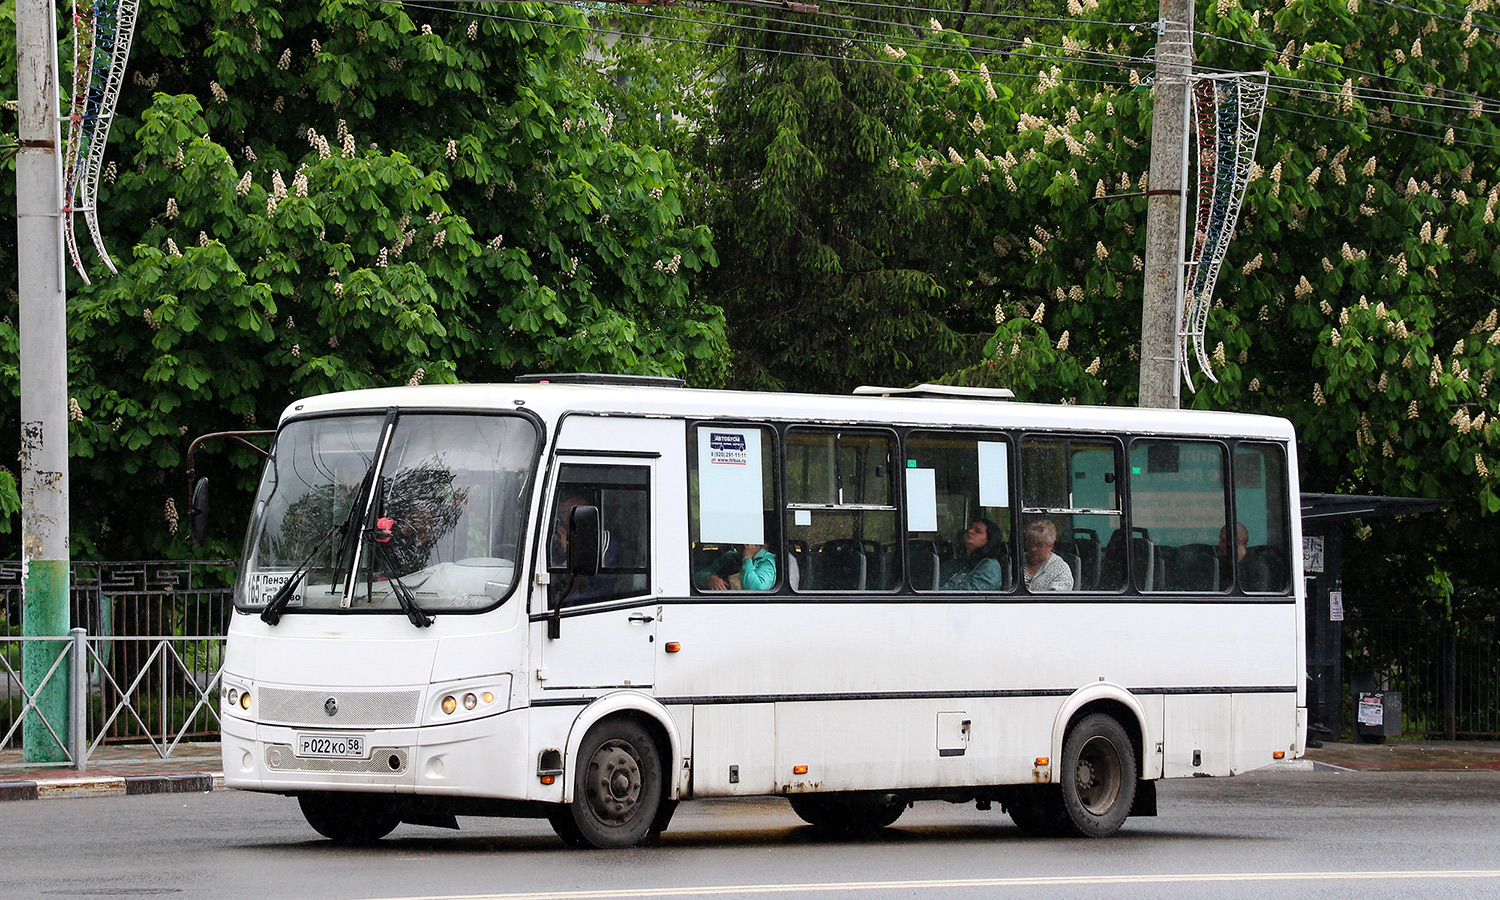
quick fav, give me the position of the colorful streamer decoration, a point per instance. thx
(102, 31)
(1229, 109)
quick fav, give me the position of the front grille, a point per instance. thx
(371, 709)
(382, 761)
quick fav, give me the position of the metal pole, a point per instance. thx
(78, 744)
(1166, 209)
(44, 372)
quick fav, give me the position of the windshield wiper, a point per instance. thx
(272, 613)
(378, 537)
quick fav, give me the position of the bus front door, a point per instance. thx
(601, 629)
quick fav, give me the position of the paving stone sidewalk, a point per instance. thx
(115, 771)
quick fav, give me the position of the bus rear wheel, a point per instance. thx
(617, 788)
(1098, 776)
(350, 819)
(846, 815)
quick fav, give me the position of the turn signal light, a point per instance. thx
(487, 697)
(673, 646)
(548, 779)
(1043, 761)
(1278, 754)
(799, 770)
(450, 703)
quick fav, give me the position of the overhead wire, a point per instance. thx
(406, 4)
(1429, 13)
(808, 29)
(1351, 69)
(816, 29)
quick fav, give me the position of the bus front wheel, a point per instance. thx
(617, 788)
(1098, 776)
(350, 819)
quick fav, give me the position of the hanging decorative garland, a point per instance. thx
(102, 31)
(1229, 111)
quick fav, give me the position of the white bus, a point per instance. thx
(588, 598)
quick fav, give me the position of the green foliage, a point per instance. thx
(337, 195)
(823, 278)
(1358, 297)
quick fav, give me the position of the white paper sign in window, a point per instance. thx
(994, 474)
(921, 500)
(729, 486)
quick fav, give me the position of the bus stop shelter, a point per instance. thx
(1323, 517)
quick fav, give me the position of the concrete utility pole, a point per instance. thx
(44, 378)
(1166, 208)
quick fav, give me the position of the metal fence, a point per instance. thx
(143, 663)
(1448, 673)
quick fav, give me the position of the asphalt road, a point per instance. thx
(1304, 835)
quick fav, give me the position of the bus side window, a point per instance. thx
(1073, 484)
(1178, 504)
(840, 510)
(959, 529)
(733, 530)
(623, 496)
(1260, 508)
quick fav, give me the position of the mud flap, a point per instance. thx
(1145, 799)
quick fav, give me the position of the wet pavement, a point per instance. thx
(124, 770)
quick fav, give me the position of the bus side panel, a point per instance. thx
(1261, 728)
(853, 745)
(1196, 737)
(734, 749)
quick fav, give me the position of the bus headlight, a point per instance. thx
(461, 701)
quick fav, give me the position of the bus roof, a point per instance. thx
(551, 401)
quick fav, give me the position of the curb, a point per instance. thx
(111, 786)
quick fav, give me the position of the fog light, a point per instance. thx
(470, 701)
(245, 700)
(449, 704)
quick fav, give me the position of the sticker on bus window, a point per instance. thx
(921, 500)
(994, 474)
(729, 486)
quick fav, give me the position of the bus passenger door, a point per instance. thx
(601, 629)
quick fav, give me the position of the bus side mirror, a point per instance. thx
(198, 512)
(585, 545)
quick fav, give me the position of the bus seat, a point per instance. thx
(793, 571)
(1194, 567)
(838, 565)
(1262, 569)
(1090, 557)
(1143, 558)
(924, 560)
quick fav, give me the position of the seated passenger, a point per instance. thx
(1045, 570)
(980, 569)
(745, 567)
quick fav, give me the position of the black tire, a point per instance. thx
(1098, 776)
(617, 788)
(350, 819)
(834, 814)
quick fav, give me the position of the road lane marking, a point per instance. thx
(725, 890)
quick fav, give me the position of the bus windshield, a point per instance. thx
(440, 513)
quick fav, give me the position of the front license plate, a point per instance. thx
(338, 746)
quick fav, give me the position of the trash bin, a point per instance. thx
(1377, 715)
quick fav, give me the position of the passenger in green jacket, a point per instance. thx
(751, 567)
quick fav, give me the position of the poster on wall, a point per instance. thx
(729, 486)
(921, 500)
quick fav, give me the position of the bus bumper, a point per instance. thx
(479, 758)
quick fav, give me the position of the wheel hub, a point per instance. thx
(614, 782)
